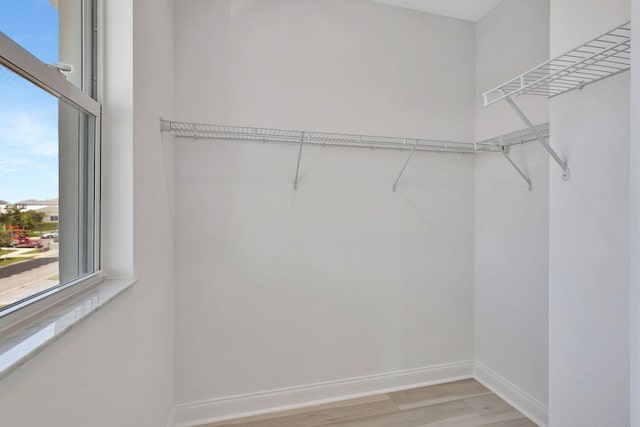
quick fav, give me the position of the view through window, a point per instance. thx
(47, 152)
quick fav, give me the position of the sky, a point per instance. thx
(28, 115)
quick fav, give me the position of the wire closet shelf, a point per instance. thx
(225, 132)
(245, 133)
(501, 144)
(604, 56)
(514, 138)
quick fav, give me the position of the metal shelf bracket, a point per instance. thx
(295, 181)
(413, 149)
(505, 152)
(565, 169)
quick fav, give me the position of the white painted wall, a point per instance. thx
(343, 278)
(635, 223)
(338, 280)
(511, 224)
(510, 39)
(589, 234)
(335, 65)
(511, 277)
(153, 211)
(116, 368)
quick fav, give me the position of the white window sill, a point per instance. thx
(21, 341)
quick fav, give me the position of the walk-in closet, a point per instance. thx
(357, 213)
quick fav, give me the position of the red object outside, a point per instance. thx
(21, 239)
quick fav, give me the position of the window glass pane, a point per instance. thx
(51, 30)
(46, 190)
(34, 25)
(76, 132)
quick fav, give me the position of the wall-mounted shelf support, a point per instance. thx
(413, 149)
(605, 56)
(295, 182)
(505, 153)
(565, 169)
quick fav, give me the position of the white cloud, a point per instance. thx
(33, 131)
(28, 153)
(28, 140)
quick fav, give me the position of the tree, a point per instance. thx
(17, 215)
(5, 239)
(33, 219)
(12, 215)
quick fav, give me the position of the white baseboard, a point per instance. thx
(516, 397)
(197, 413)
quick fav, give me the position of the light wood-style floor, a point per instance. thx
(464, 403)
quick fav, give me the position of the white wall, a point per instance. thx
(116, 368)
(635, 224)
(510, 39)
(153, 209)
(511, 277)
(589, 234)
(335, 65)
(343, 278)
(511, 224)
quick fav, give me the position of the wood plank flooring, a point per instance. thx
(464, 403)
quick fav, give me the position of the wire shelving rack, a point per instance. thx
(503, 144)
(499, 144)
(514, 138)
(225, 132)
(605, 56)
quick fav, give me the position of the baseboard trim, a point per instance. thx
(198, 413)
(515, 396)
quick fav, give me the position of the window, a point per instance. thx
(49, 148)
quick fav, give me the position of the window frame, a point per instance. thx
(19, 60)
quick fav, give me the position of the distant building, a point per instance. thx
(51, 212)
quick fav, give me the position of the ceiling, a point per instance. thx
(470, 10)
